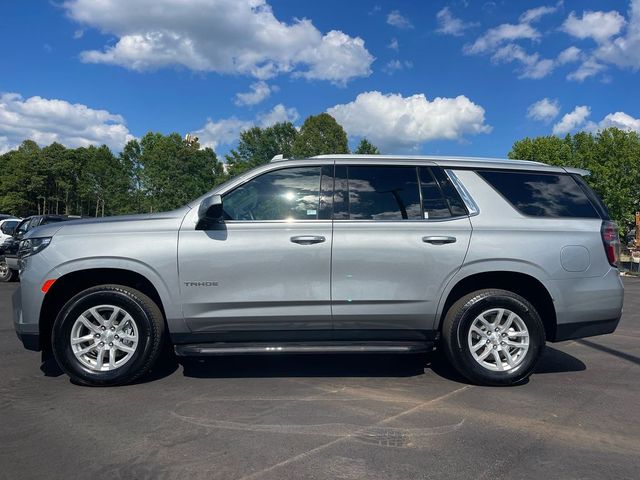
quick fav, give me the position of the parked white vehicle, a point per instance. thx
(4, 224)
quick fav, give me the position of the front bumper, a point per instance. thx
(28, 333)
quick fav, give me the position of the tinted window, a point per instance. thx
(287, 194)
(451, 195)
(435, 206)
(542, 194)
(383, 193)
(10, 223)
(47, 220)
(22, 227)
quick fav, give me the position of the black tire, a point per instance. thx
(458, 321)
(143, 310)
(6, 274)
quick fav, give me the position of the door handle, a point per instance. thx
(438, 240)
(308, 239)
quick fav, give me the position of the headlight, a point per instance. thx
(31, 246)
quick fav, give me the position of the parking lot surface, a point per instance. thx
(328, 417)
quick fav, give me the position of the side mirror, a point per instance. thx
(210, 210)
(8, 229)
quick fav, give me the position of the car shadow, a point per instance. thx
(285, 365)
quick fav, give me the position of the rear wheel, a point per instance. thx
(107, 335)
(493, 337)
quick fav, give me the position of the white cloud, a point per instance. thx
(569, 55)
(624, 51)
(227, 130)
(278, 114)
(78, 34)
(259, 91)
(532, 65)
(588, 68)
(544, 110)
(535, 14)
(496, 36)
(451, 25)
(392, 121)
(396, 65)
(223, 36)
(620, 120)
(571, 121)
(396, 19)
(393, 44)
(51, 120)
(597, 25)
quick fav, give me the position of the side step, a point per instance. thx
(258, 348)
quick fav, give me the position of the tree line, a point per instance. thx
(162, 172)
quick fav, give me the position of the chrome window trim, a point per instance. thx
(468, 200)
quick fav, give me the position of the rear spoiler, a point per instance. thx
(579, 171)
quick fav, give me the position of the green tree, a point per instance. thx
(320, 134)
(172, 172)
(611, 155)
(258, 146)
(365, 147)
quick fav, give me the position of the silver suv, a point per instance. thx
(486, 259)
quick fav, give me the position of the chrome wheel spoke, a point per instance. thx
(498, 360)
(85, 350)
(518, 334)
(484, 321)
(85, 321)
(100, 359)
(123, 323)
(77, 340)
(509, 321)
(113, 316)
(112, 358)
(509, 358)
(125, 348)
(485, 354)
(478, 345)
(498, 319)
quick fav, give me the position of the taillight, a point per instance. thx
(611, 241)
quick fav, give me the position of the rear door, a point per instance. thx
(400, 233)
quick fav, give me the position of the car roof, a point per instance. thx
(444, 161)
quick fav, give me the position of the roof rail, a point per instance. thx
(277, 158)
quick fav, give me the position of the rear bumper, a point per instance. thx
(587, 307)
(569, 331)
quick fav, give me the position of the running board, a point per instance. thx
(258, 348)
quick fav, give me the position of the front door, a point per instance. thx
(268, 266)
(400, 233)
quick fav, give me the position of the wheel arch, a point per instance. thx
(523, 284)
(72, 283)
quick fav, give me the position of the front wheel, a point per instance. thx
(493, 337)
(6, 274)
(107, 335)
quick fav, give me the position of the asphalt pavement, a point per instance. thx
(328, 417)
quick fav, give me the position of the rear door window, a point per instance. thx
(542, 194)
(439, 197)
(383, 193)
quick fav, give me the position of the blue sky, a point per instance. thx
(432, 77)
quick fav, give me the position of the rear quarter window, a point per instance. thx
(542, 194)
